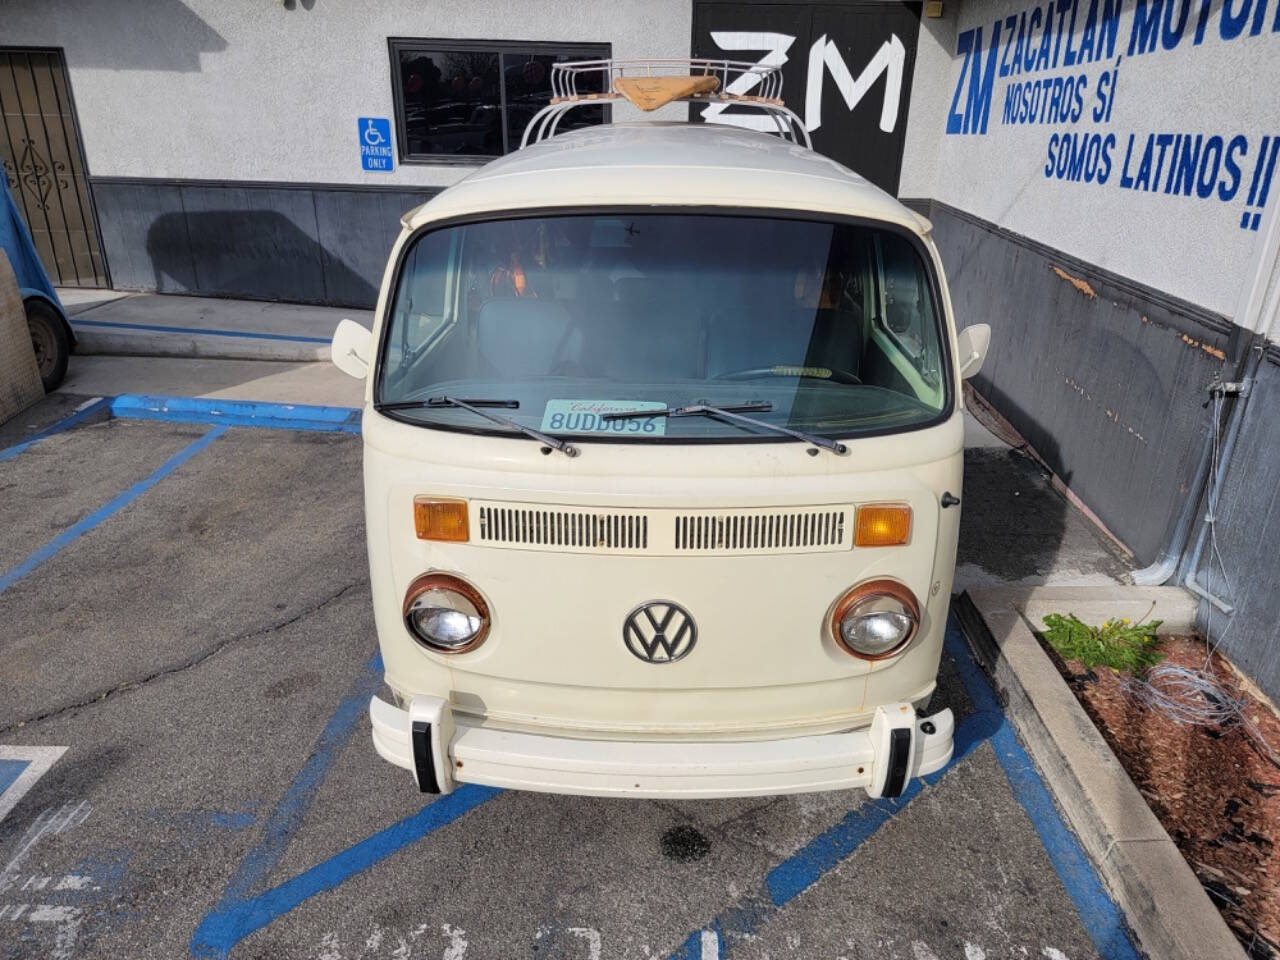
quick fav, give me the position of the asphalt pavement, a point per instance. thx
(186, 611)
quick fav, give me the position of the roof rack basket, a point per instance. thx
(650, 84)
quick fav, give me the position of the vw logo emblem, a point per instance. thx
(660, 632)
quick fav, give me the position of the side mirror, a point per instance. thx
(972, 343)
(351, 347)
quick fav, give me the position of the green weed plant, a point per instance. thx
(1118, 644)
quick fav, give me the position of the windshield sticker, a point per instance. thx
(586, 416)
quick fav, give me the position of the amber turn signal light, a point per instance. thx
(882, 525)
(440, 518)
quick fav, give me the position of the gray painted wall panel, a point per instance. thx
(252, 242)
(1247, 531)
(1106, 381)
(127, 213)
(356, 230)
(314, 244)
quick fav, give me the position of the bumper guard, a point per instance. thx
(441, 753)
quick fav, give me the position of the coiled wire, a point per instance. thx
(1196, 698)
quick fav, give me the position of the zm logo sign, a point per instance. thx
(375, 144)
(824, 55)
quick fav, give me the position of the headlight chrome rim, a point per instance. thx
(870, 590)
(446, 582)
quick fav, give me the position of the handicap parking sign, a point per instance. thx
(375, 144)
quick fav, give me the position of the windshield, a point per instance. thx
(833, 326)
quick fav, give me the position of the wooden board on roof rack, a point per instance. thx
(650, 93)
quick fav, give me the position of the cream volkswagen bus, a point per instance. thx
(662, 463)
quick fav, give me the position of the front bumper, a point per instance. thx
(443, 751)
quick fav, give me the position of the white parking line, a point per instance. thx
(36, 761)
(457, 948)
(67, 919)
(49, 822)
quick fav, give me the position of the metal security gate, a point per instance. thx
(42, 158)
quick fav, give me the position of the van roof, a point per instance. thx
(666, 164)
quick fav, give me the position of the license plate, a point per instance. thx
(586, 416)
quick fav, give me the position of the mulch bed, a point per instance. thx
(1214, 791)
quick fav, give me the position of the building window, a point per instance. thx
(471, 99)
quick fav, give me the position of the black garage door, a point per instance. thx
(846, 71)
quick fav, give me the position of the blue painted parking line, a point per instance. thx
(1098, 913)
(197, 331)
(222, 930)
(84, 525)
(82, 413)
(241, 912)
(1099, 916)
(287, 816)
(234, 919)
(814, 860)
(237, 413)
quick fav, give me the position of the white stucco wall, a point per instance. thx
(930, 97)
(249, 90)
(1188, 246)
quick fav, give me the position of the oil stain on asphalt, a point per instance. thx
(685, 844)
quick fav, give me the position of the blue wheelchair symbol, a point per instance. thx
(375, 144)
(372, 135)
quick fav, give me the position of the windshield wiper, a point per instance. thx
(418, 404)
(733, 412)
(477, 407)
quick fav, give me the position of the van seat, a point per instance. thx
(524, 337)
(664, 328)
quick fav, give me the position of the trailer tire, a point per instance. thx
(51, 343)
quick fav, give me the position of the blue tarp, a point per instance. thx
(15, 240)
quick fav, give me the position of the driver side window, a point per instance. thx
(424, 302)
(904, 311)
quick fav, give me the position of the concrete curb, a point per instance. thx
(137, 343)
(1169, 911)
(240, 413)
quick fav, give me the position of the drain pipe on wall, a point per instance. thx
(1162, 571)
(1240, 390)
(1260, 314)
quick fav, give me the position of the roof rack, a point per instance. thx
(650, 84)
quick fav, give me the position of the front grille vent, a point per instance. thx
(760, 531)
(661, 532)
(571, 529)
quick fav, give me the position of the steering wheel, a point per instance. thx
(835, 374)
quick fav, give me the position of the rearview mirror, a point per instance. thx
(972, 343)
(350, 349)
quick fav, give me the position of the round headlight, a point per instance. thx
(875, 619)
(445, 613)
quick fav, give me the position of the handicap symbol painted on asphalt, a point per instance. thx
(20, 768)
(375, 144)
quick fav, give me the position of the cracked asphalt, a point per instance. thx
(198, 653)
